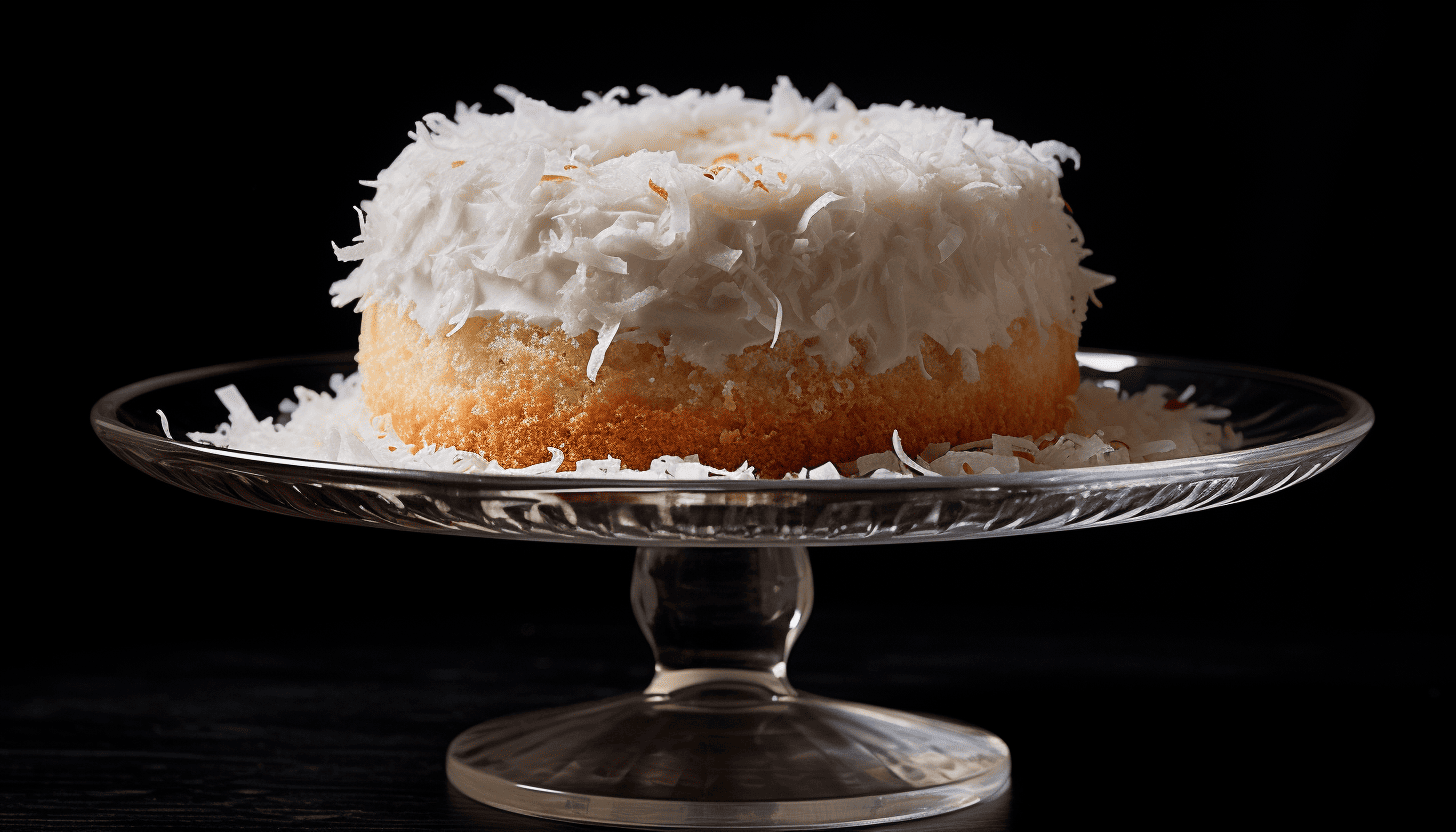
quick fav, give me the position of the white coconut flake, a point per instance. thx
(954, 236)
(909, 463)
(957, 463)
(827, 471)
(551, 466)
(237, 407)
(1157, 446)
(599, 352)
(778, 321)
(166, 429)
(814, 208)
(883, 461)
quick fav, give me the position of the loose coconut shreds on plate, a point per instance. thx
(1110, 428)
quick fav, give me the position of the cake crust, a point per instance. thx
(508, 390)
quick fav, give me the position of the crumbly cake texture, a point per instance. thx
(507, 390)
(709, 239)
(1112, 427)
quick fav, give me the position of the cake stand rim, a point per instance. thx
(1359, 417)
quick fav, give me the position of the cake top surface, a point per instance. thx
(720, 221)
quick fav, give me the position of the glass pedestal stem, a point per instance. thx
(722, 620)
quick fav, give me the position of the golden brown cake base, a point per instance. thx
(507, 390)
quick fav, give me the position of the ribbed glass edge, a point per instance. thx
(831, 813)
(1359, 418)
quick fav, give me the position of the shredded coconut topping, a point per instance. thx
(1110, 428)
(725, 221)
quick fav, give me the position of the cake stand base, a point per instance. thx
(720, 739)
(724, 758)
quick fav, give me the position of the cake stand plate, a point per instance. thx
(722, 588)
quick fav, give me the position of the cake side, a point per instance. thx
(508, 390)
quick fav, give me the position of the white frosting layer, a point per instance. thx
(723, 221)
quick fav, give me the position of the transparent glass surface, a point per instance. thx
(722, 588)
(1294, 428)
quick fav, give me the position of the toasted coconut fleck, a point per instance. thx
(714, 171)
(457, 164)
(1174, 404)
(1118, 443)
(1067, 205)
(783, 177)
(758, 183)
(569, 167)
(809, 136)
(731, 157)
(833, 137)
(657, 189)
(553, 177)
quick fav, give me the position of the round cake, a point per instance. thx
(783, 283)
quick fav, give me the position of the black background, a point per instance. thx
(1259, 665)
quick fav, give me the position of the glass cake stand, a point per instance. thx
(722, 588)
